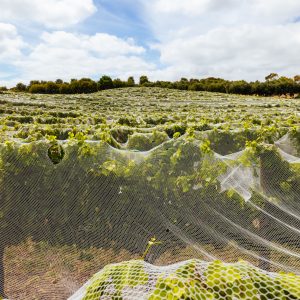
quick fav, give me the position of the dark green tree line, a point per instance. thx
(272, 86)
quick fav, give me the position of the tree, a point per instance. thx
(105, 83)
(118, 83)
(130, 81)
(271, 76)
(143, 80)
(59, 81)
(183, 84)
(65, 88)
(20, 87)
(52, 87)
(37, 88)
(239, 87)
(86, 86)
(34, 82)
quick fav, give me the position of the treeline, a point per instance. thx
(273, 85)
(81, 86)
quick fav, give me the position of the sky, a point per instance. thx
(163, 39)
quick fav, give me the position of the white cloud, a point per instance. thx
(66, 55)
(194, 7)
(10, 42)
(230, 38)
(242, 52)
(275, 10)
(213, 13)
(101, 44)
(50, 13)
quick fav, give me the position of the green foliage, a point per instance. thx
(179, 176)
(143, 80)
(271, 76)
(20, 87)
(130, 81)
(82, 86)
(105, 83)
(194, 279)
(3, 89)
(37, 89)
(127, 274)
(176, 135)
(144, 142)
(274, 85)
(205, 147)
(56, 153)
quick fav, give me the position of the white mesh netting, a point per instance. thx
(165, 199)
(193, 279)
(101, 205)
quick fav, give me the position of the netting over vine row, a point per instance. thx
(81, 205)
(193, 279)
